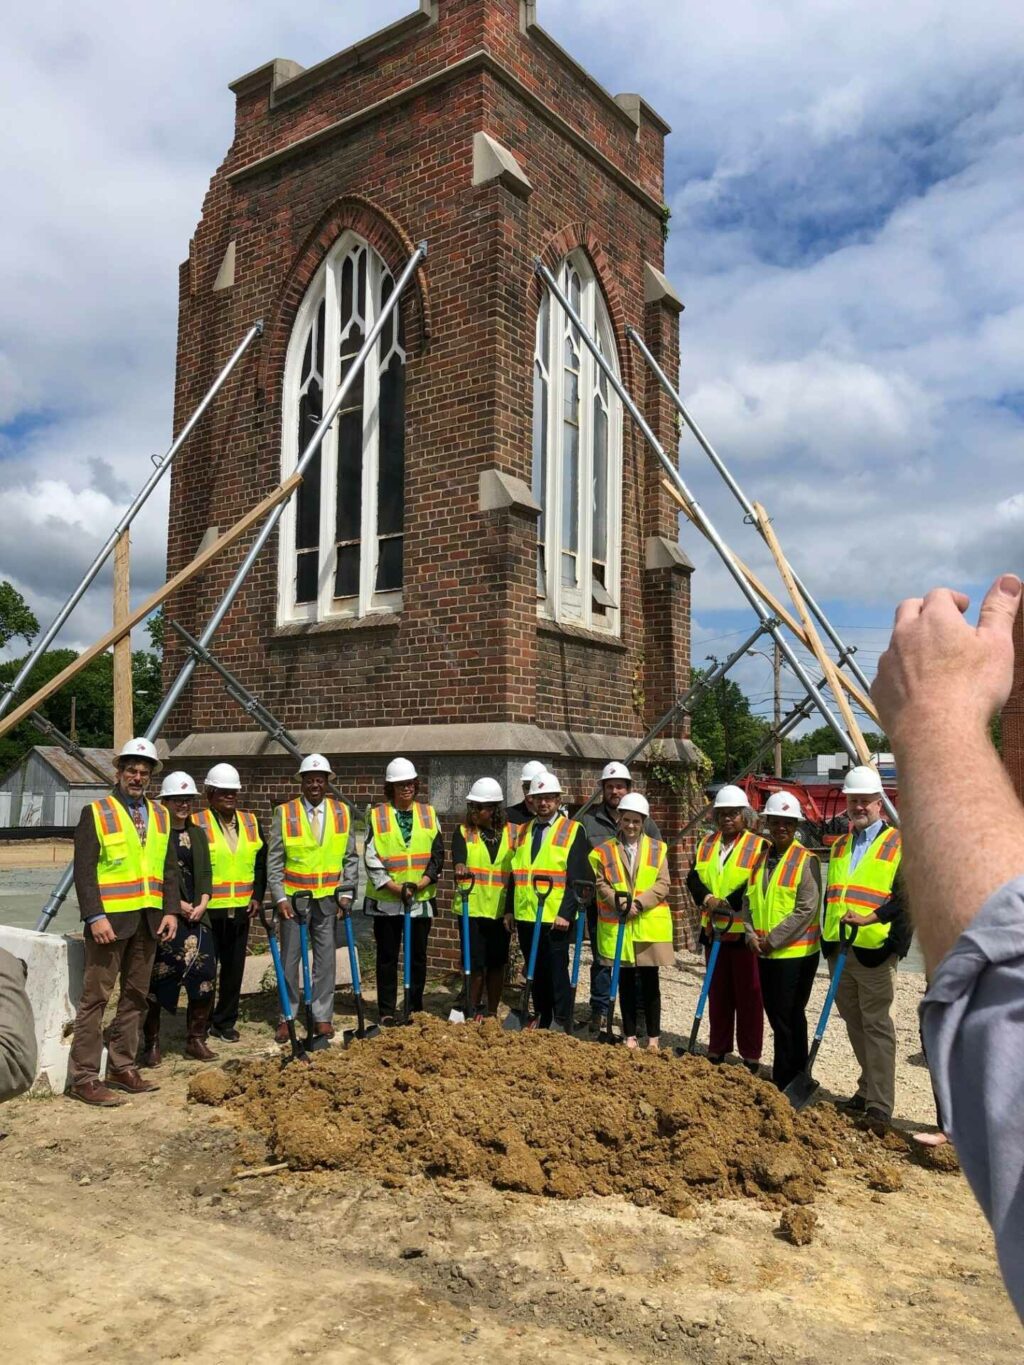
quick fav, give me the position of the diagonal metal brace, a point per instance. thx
(251, 705)
(47, 728)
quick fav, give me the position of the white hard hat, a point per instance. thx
(783, 803)
(485, 791)
(545, 784)
(729, 798)
(634, 801)
(615, 770)
(314, 763)
(862, 781)
(400, 770)
(141, 747)
(531, 770)
(178, 784)
(224, 777)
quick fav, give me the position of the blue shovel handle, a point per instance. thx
(408, 891)
(581, 924)
(353, 956)
(845, 942)
(275, 953)
(465, 885)
(542, 887)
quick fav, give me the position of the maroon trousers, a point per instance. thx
(734, 1002)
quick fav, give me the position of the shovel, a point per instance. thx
(716, 943)
(314, 1041)
(584, 895)
(518, 1019)
(802, 1089)
(622, 904)
(299, 1053)
(465, 886)
(362, 1030)
(408, 891)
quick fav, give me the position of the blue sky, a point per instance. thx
(847, 234)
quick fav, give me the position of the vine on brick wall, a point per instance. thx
(666, 214)
(685, 781)
(637, 693)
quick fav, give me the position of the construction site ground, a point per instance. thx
(150, 1231)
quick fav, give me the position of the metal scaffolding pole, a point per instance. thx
(704, 522)
(11, 689)
(683, 704)
(846, 651)
(251, 705)
(59, 892)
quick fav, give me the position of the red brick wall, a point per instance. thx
(467, 645)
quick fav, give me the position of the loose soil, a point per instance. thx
(145, 1233)
(546, 1115)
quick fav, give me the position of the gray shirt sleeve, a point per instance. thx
(17, 1029)
(972, 1022)
(275, 860)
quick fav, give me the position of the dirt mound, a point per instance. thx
(543, 1114)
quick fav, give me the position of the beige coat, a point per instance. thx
(647, 954)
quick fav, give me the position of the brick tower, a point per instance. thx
(483, 566)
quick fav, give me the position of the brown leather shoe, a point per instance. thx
(94, 1092)
(130, 1081)
(281, 1032)
(323, 1030)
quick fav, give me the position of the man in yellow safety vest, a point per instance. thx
(238, 859)
(863, 890)
(312, 853)
(126, 880)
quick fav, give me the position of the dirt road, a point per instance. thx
(127, 1236)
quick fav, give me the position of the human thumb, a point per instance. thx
(1000, 606)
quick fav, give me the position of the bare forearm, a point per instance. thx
(953, 861)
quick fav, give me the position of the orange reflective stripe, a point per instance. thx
(792, 865)
(748, 851)
(706, 847)
(856, 895)
(524, 876)
(110, 819)
(248, 823)
(381, 816)
(654, 850)
(426, 815)
(204, 820)
(163, 819)
(889, 847)
(562, 834)
(123, 890)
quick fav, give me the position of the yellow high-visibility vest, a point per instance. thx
(650, 926)
(233, 869)
(490, 879)
(130, 873)
(723, 878)
(552, 861)
(771, 904)
(404, 862)
(310, 866)
(864, 889)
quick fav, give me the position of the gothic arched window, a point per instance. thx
(341, 535)
(577, 458)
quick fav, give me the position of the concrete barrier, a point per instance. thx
(54, 983)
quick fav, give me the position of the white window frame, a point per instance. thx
(555, 600)
(326, 285)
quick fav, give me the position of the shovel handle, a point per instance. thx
(465, 883)
(353, 957)
(719, 934)
(300, 905)
(622, 904)
(584, 893)
(543, 885)
(408, 892)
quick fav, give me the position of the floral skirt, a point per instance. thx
(188, 960)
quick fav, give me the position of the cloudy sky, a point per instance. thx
(847, 234)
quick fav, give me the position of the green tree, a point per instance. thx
(724, 726)
(16, 617)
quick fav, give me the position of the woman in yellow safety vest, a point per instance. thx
(717, 881)
(188, 959)
(782, 917)
(637, 865)
(482, 847)
(404, 847)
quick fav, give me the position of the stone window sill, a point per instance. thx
(580, 635)
(315, 630)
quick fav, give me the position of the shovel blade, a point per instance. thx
(350, 1035)
(514, 1022)
(801, 1090)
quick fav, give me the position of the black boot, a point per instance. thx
(151, 1054)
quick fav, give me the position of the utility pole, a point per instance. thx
(777, 716)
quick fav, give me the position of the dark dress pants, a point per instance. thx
(552, 993)
(387, 934)
(230, 940)
(785, 988)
